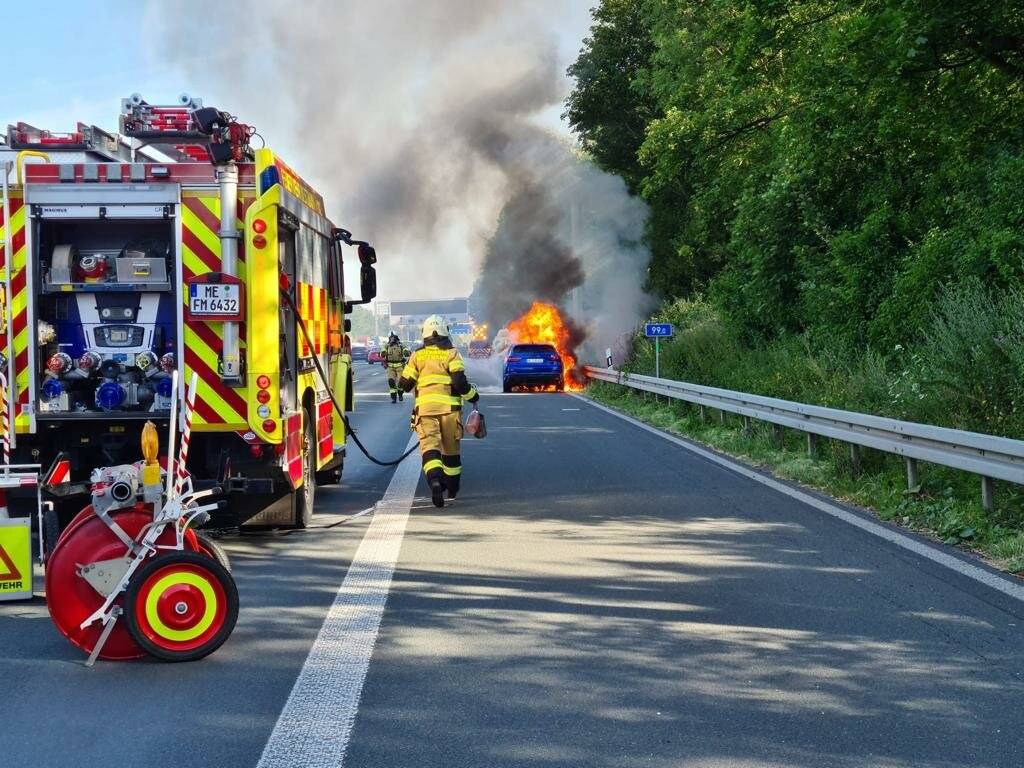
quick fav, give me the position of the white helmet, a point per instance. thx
(434, 324)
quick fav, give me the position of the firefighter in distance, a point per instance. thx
(438, 374)
(395, 355)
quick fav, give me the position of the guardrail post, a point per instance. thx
(812, 445)
(746, 425)
(778, 435)
(988, 493)
(854, 459)
(703, 415)
(913, 480)
(721, 416)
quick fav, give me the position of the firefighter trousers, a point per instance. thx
(439, 446)
(394, 373)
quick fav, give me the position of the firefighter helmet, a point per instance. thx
(434, 326)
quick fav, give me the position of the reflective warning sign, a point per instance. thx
(15, 559)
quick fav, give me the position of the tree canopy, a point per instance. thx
(819, 167)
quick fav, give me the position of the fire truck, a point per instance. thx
(174, 245)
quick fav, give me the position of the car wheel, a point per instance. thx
(560, 385)
(506, 387)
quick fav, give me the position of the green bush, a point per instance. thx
(965, 371)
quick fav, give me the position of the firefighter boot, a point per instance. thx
(400, 393)
(393, 398)
(437, 493)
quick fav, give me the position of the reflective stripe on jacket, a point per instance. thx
(438, 375)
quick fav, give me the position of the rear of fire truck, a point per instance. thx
(173, 246)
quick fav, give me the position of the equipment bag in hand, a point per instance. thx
(475, 425)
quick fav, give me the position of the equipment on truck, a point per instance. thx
(175, 247)
(129, 576)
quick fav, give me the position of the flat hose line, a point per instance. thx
(341, 412)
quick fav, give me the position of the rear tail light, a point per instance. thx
(269, 425)
(263, 396)
(514, 359)
(263, 381)
(256, 451)
(259, 226)
(259, 241)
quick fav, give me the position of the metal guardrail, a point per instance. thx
(993, 458)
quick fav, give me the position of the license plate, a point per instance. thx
(213, 299)
(535, 359)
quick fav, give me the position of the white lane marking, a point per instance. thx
(315, 724)
(570, 409)
(988, 578)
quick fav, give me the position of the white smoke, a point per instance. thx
(420, 123)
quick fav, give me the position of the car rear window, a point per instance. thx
(533, 349)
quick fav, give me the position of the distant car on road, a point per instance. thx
(359, 352)
(375, 355)
(532, 365)
(479, 348)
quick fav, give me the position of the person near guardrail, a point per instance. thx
(438, 374)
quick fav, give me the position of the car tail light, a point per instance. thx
(514, 359)
(259, 226)
(263, 381)
(269, 425)
(259, 241)
(263, 396)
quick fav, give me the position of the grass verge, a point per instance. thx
(946, 507)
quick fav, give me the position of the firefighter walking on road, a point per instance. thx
(438, 374)
(395, 355)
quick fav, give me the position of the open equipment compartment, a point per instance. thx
(106, 307)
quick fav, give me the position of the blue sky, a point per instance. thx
(74, 61)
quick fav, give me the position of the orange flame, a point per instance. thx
(543, 324)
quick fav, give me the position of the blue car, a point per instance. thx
(533, 365)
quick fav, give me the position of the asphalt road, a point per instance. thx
(597, 596)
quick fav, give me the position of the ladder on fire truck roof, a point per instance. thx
(147, 133)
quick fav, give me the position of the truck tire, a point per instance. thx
(306, 495)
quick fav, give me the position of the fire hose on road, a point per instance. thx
(337, 407)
